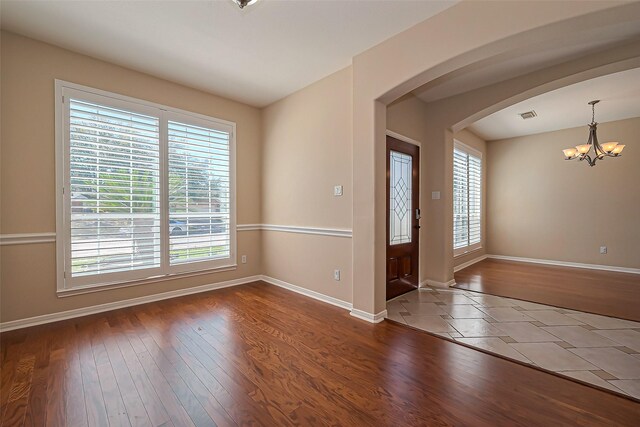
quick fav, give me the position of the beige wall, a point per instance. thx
(540, 206)
(29, 68)
(307, 150)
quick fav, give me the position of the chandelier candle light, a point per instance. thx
(600, 151)
(243, 3)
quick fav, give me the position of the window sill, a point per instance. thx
(79, 290)
(467, 252)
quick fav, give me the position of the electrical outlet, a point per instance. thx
(244, 259)
(336, 275)
(337, 190)
(603, 250)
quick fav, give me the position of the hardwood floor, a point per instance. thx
(593, 291)
(257, 354)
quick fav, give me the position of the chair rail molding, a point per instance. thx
(299, 229)
(27, 238)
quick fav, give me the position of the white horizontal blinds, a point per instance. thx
(460, 199)
(475, 195)
(114, 186)
(199, 193)
(467, 199)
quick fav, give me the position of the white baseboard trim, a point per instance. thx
(567, 264)
(436, 284)
(86, 311)
(371, 318)
(468, 263)
(307, 292)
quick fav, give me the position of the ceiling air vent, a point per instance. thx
(528, 115)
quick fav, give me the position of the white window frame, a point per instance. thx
(472, 151)
(63, 91)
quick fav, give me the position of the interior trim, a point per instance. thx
(468, 263)
(307, 292)
(403, 138)
(100, 308)
(334, 232)
(86, 311)
(371, 318)
(25, 238)
(87, 289)
(50, 237)
(248, 227)
(568, 264)
(437, 284)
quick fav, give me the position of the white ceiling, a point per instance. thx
(256, 55)
(567, 107)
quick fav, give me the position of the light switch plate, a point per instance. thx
(435, 195)
(337, 190)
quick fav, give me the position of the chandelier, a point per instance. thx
(600, 151)
(243, 3)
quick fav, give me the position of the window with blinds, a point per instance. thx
(114, 172)
(144, 191)
(467, 199)
(198, 193)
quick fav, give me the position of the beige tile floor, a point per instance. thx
(601, 350)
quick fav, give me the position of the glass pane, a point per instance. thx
(114, 171)
(400, 204)
(199, 192)
(460, 199)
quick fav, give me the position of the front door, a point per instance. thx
(403, 215)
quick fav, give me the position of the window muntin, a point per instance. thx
(114, 175)
(467, 199)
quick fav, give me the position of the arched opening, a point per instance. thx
(377, 84)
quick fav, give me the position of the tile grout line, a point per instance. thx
(446, 304)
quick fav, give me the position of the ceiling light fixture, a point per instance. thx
(600, 151)
(243, 3)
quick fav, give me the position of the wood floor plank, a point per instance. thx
(259, 355)
(300, 356)
(153, 405)
(137, 415)
(369, 390)
(18, 398)
(55, 412)
(94, 401)
(228, 385)
(75, 404)
(193, 394)
(607, 293)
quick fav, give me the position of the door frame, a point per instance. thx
(419, 144)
